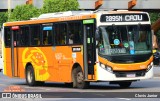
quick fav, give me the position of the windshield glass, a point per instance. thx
(126, 39)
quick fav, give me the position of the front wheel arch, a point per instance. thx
(78, 78)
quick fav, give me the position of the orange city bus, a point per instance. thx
(79, 47)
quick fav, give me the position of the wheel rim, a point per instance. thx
(79, 77)
(29, 76)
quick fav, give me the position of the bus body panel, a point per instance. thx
(126, 67)
(111, 77)
(104, 75)
(58, 70)
(55, 63)
(7, 62)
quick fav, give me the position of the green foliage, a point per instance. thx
(24, 12)
(50, 6)
(154, 16)
(3, 18)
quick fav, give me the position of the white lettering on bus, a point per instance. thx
(114, 18)
(133, 18)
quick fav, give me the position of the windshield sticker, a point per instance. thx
(117, 50)
(74, 55)
(116, 41)
(131, 43)
(132, 52)
(88, 40)
(126, 45)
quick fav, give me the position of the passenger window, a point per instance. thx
(75, 34)
(23, 36)
(35, 35)
(60, 34)
(47, 35)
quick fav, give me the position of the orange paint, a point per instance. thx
(126, 67)
(55, 63)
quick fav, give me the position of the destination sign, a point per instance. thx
(124, 17)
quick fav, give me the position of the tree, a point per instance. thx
(154, 16)
(24, 12)
(3, 18)
(50, 6)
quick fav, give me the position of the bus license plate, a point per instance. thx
(131, 75)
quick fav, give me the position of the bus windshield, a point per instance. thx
(125, 40)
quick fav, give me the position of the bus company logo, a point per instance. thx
(6, 95)
(38, 60)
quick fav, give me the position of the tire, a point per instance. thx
(78, 79)
(125, 84)
(30, 76)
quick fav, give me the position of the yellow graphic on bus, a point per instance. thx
(39, 61)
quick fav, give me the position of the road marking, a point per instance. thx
(124, 98)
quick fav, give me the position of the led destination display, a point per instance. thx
(124, 17)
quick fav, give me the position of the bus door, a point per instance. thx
(14, 50)
(89, 47)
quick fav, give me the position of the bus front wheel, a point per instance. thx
(30, 76)
(78, 79)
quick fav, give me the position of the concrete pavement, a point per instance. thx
(156, 71)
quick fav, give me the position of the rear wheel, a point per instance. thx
(78, 78)
(125, 84)
(30, 76)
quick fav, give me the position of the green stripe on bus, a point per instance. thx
(88, 21)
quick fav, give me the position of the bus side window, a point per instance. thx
(60, 33)
(35, 35)
(75, 35)
(7, 35)
(47, 35)
(23, 36)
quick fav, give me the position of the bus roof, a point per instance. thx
(66, 16)
(55, 17)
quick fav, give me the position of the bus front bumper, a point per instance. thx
(104, 75)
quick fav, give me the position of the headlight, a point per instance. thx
(149, 67)
(108, 68)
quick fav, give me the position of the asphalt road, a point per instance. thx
(103, 90)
